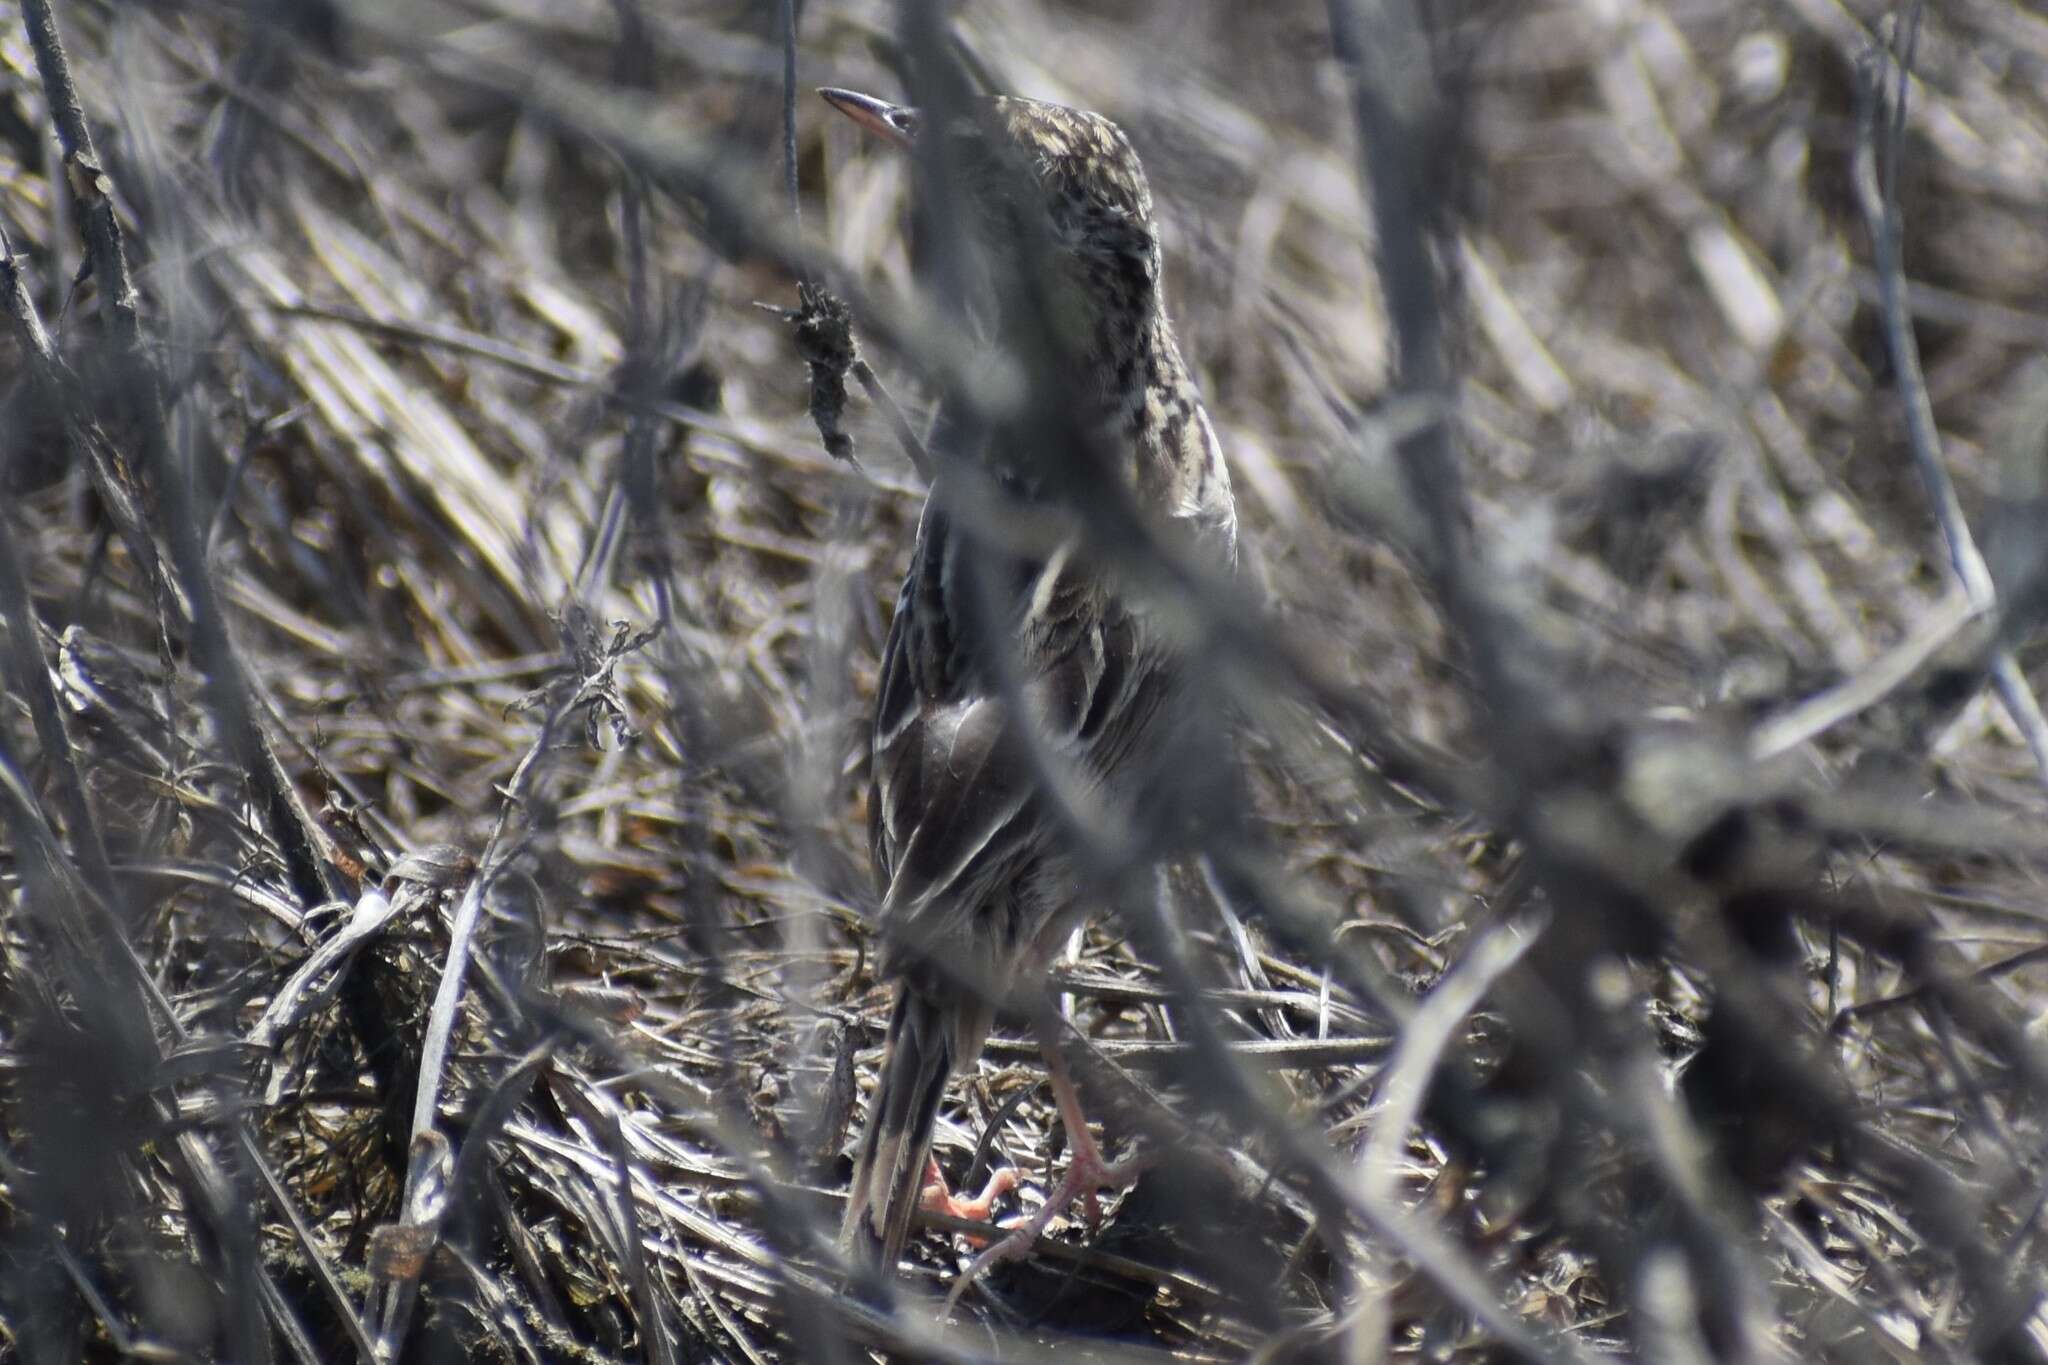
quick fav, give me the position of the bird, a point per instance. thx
(1007, 662)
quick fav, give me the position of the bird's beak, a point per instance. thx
(890, 122)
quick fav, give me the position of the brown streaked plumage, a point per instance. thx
(976, 888)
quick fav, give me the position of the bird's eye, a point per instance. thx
(904, 121)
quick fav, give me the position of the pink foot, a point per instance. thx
(937, 1197)
(1087, 1174)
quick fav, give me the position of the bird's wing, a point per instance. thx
(955, 810)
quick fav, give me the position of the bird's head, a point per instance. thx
(1021, 166)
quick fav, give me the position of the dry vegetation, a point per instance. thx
(1633, 947)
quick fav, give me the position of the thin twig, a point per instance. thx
(655, 1339)
(1409, 1072)
(796, 207)
(1880, 148)
(441, 1017)
(1869, 685)
(227, 682)
(906, 435)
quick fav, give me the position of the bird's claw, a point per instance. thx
(1087, 1174)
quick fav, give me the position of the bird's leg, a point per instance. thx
(1088, 1172)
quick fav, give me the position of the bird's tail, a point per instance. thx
(888, 1174)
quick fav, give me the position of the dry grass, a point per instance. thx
(1729, 1038)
